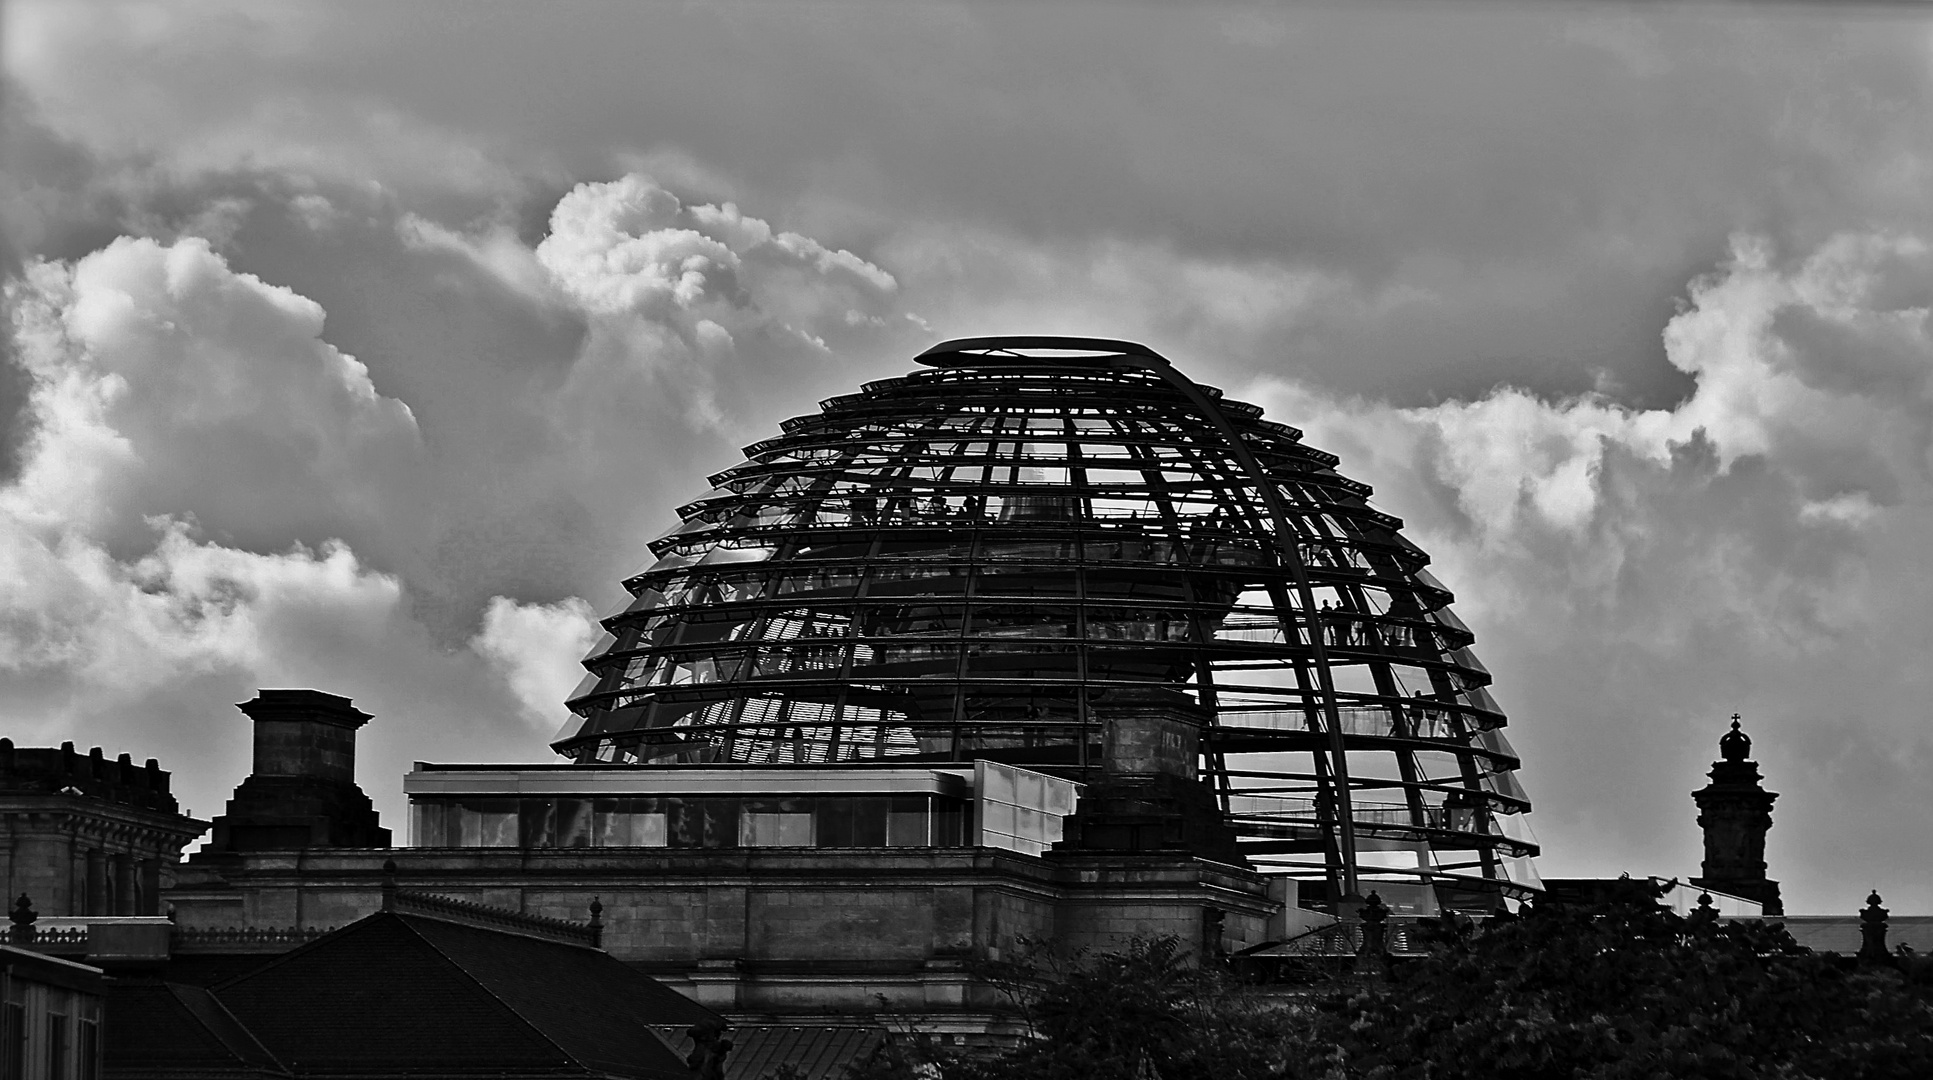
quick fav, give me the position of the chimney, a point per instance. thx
(305, 733)
(303, 791)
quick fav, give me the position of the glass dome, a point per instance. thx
(969, 561)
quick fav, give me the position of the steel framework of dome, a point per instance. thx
(965, 561)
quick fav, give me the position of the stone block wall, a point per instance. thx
(767, 931)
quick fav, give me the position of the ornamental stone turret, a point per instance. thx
(1735, 811)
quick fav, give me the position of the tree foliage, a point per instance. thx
(1632, 993)
(1635, 992)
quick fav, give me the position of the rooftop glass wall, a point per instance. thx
(993, 805)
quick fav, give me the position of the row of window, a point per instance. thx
(40, 1036)
(711, 821)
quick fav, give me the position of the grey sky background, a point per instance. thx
(365, 347)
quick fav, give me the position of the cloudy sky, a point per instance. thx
(365, 348)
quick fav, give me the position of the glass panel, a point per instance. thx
(573, 823)
(852, 821)
(13, 1039)
(701, 822)
(869, 822)
(650, 830)
(997, 785)
(775, 823)
(57, 1046)
(1030, 825)
(948, 823)
(997, 817)
(906, 822)
(537, 823)
(835, 822)
(428, 826)
(486, 823)
(684, 823)
(1059, 799)
(90, 1050)
(628, 823)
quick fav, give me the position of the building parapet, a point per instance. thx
(244, 939)
(493, 918)
(48, 770)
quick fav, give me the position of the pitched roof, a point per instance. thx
(403, 991)
(163, 1030)
(818, 1053)
(210, 969)
(597, 1009)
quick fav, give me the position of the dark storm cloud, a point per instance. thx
(1539, 171)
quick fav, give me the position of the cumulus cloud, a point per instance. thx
(185, 606)
(170, 384)
(213, 496)
(157, 371)
(537, 648)
(1819, 366)
(630, 248)
(1637, 575)
(496, 252)
(189, 427)
(618, 327)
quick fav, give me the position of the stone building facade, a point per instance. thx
(772, 931)
(1042, 641)
(83, 834)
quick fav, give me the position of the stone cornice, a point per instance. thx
(85, 810)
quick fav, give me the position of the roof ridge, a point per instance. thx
(490, 917)
(541, 1034)
(198, 997)
(279, 959)
(370, 920)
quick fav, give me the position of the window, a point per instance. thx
(717, 821)
(13, 1042)
(573, 822)
(628, 823)
(56, 1046)
(487, 823)
(852, 821)
(429, 826)
(701, 822)
(775, 823)
(906, 822)
(90, 1050)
